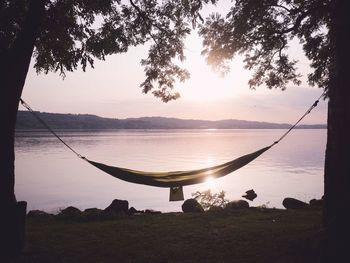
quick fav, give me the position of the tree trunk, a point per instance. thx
(14, 64)
(337, 165)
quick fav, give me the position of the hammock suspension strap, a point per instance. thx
(314, 105)
(49, 128)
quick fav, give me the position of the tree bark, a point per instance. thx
(337, 164)
(14, 64)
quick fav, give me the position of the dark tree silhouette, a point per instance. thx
(62, 35)
(261, 31)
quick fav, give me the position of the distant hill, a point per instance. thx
(25, 120)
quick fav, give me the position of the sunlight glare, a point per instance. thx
(210, 182)
(207, 85)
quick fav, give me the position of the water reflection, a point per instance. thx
(49, 176)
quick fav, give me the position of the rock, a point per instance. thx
(237, 204)
(192, 206)
(118, 206)
(38, 214)
(70, 212)
(250, 195)
(316, 202)
(93, 214)
(92, 210)
(152, 212)
(292, 203)
(133, 211)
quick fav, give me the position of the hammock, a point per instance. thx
(177, 179)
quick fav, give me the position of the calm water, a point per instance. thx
(50, 177)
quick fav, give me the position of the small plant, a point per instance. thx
(208, 200)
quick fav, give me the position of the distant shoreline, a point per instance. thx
(160, 129)
(59, 121)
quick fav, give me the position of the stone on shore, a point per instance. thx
(316, 202)
(237, 204)
(38, 214)
(70, 212)
(152, 212)
(93, 214)
(292, 203)
(118, 207)
(192, 206)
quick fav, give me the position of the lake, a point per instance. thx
(50, 177)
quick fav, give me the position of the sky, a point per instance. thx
(112, 89)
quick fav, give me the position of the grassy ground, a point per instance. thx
(251, 235)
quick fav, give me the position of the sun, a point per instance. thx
(207, 85)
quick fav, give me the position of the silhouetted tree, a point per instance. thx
(261, 30)
(62, 35)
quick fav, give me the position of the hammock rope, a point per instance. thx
(24, 104)
(314, 105)
(177, 179)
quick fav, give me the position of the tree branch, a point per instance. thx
(282, 6)
(300, 18)
(146, 20)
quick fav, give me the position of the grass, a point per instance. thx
(250, 235)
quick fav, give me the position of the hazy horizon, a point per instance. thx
(169, 117)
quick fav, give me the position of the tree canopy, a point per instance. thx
(261, 31)
(75, 33)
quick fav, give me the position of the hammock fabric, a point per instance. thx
(175, 180)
